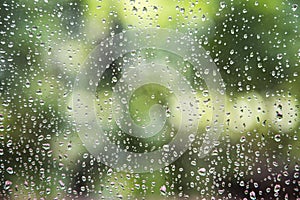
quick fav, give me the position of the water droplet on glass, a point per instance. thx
(202, 171)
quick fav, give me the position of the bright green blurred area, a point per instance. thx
(255, 45)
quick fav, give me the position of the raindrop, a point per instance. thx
(202, 171)
(163, 190)
(294, 7)
(10, 170)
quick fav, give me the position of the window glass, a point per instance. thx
(155, 99)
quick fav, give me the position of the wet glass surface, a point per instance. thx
(149, 99)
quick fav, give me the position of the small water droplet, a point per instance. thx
(61, 183)
(243, 139)
(10, 170)
(166, 148)
(222, 4)
(277, 138)
(46, 146)
(294, 7)
(252, 195)
(114, 79)
(7, 185)
(163, 190)
(277, 188)
(202, 171)
(109, 172)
